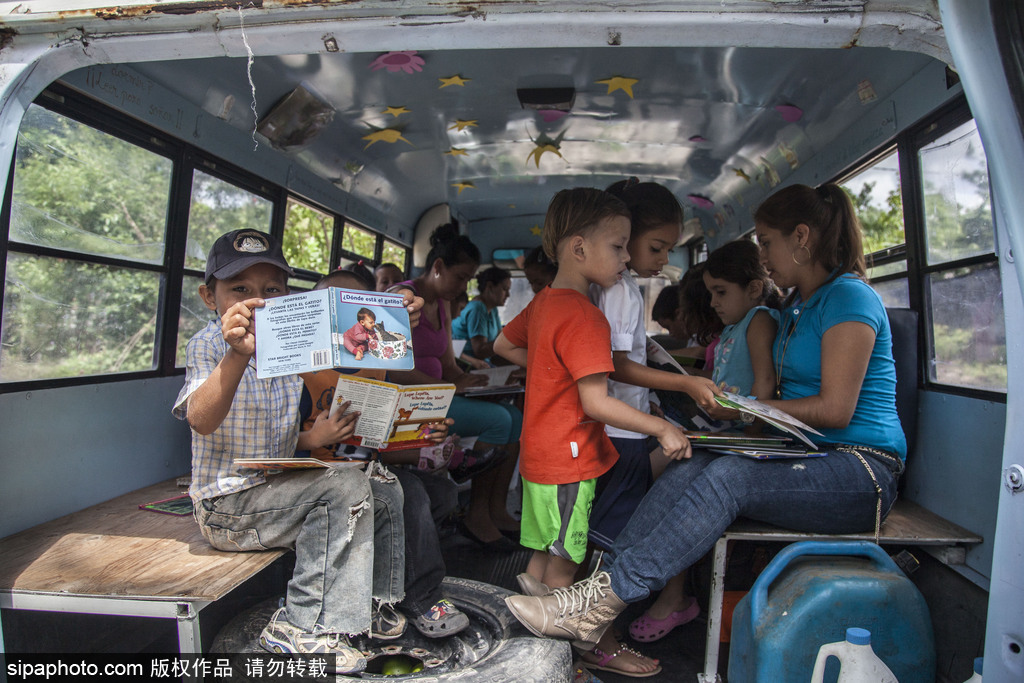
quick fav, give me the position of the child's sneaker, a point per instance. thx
(387, 622)
(441, 620)
(282, 637)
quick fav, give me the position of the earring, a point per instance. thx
(804, 247)
(437, 274)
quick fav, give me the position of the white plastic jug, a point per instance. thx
(858, 663)
(976, 678)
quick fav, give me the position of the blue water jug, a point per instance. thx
(809, 594)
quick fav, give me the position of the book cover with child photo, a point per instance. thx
(332, 328)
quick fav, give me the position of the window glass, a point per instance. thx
(967, 328)
(878, 202)
(218, 207)
(957, 210)
(894, 293)
(81, 190)
(308, 235)
(359, 241)
(393, 253)
(63, 318)
(192, 316)
(886, 269)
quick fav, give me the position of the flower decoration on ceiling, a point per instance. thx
(396, 111)
(551, 115)
(543, 143)
(388, 135)
(453, 80)
(698, 138)
(464, 185)
(700, 201)
(457, 152)
(463, 124)
(789, 112)
(620, 83)
(403, 60)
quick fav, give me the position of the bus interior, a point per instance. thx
(131, 136)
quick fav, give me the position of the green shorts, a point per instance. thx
(556, 518)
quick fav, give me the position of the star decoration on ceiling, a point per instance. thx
(741, 173)
(464, 185)
(543, 143)
(463, 124)
(396, 111)
(620, 83)
(389, 135)
(535, 230)
(453, 80)
(457, 152)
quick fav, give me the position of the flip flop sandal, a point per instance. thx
(605, 659)
(647, 629)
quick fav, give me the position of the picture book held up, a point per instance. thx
(392, 416)
(332, 328)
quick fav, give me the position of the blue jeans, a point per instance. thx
(694, 502)
(424, 566)
(323, 515)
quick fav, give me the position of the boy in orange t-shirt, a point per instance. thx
(565, 342)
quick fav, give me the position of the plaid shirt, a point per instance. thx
(263, 420)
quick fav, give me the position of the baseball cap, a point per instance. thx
(235, 251)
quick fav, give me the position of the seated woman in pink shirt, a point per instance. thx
(357, 338)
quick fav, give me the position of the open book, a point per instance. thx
(497, 381)
(392, 416)
(332, 328)
(773, 416)
(275, 464)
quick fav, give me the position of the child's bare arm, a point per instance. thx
(760, 337)
(509, 351)
(210, 402)
(701, 389)
(609, 410)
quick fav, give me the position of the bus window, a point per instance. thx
(395, 253)
(86, 252)
(308, 237)
(878, 199)
(961, 274)
(357, 243)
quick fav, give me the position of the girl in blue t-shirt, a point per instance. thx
(747, 302)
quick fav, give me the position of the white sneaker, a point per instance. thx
(282, 637)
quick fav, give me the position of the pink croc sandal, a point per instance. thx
(647, 629)
(604, 660)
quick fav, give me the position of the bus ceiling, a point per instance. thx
(384, 109)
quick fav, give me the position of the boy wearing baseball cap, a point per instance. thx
(326, 515)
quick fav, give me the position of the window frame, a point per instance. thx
(185, 159)
(908, 145)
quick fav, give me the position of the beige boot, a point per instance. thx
(531, 586)
(581, 613)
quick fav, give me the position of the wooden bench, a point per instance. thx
(907, 524)
(114, 558)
